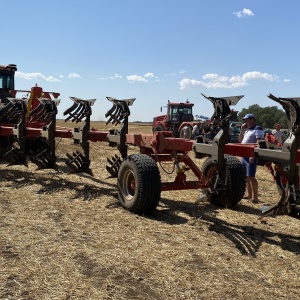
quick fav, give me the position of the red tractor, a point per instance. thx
(7, 82)
(19, 117)
(178, 115)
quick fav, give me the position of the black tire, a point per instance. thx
(139, 184)
(279, 182)
(230, 193)
(6, 143)
(159, 128)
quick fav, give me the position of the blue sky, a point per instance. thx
(154, 51)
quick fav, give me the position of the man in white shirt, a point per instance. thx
(196, 130)
(186, 132)
(250, 133)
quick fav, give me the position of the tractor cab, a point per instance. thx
(180, 112)
(7, 81)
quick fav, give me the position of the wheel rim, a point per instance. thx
(211, 177)
(129, 186)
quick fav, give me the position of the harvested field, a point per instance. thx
(65, 237)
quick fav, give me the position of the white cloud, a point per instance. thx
(215, 77)
(116, 76)
(61, 76)
(286, 80)
(246, 12)
(52, 79)
(136, 78)
(148, 75)
(175, 73)
(74, 75)
(30, 76)
(215, 81)
(132, 78)
(186, 83)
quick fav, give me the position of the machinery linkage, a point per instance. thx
(15, 111)
(289, 202)
(118, 114)
(46, 111)
(119, 110)
(78, 162)
(79, 110)
(30, 133)
(40, 149)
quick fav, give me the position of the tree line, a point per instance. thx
(267, 117)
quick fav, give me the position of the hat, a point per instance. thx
(278, 125)
(247, 116)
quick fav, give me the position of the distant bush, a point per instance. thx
(267, 117)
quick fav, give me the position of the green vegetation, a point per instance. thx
(267, 117)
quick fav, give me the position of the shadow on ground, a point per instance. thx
(247, 239)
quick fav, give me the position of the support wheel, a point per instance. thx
(139, 184)
(225, 191)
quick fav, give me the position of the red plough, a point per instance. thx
(28, 131)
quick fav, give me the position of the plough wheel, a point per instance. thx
(230, 192)
(139, 184)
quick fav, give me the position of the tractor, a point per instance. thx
(178, 115)
(181, 114)
(7, 82)
(32, 110)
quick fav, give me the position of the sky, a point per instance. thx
(154, 51)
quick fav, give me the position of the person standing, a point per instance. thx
(250, 133)
(196, 130)
(186, 132)
(207, 131)
(278, 134)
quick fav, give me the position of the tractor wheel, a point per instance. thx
(159, 128)
(139, 184)
(230, 192)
